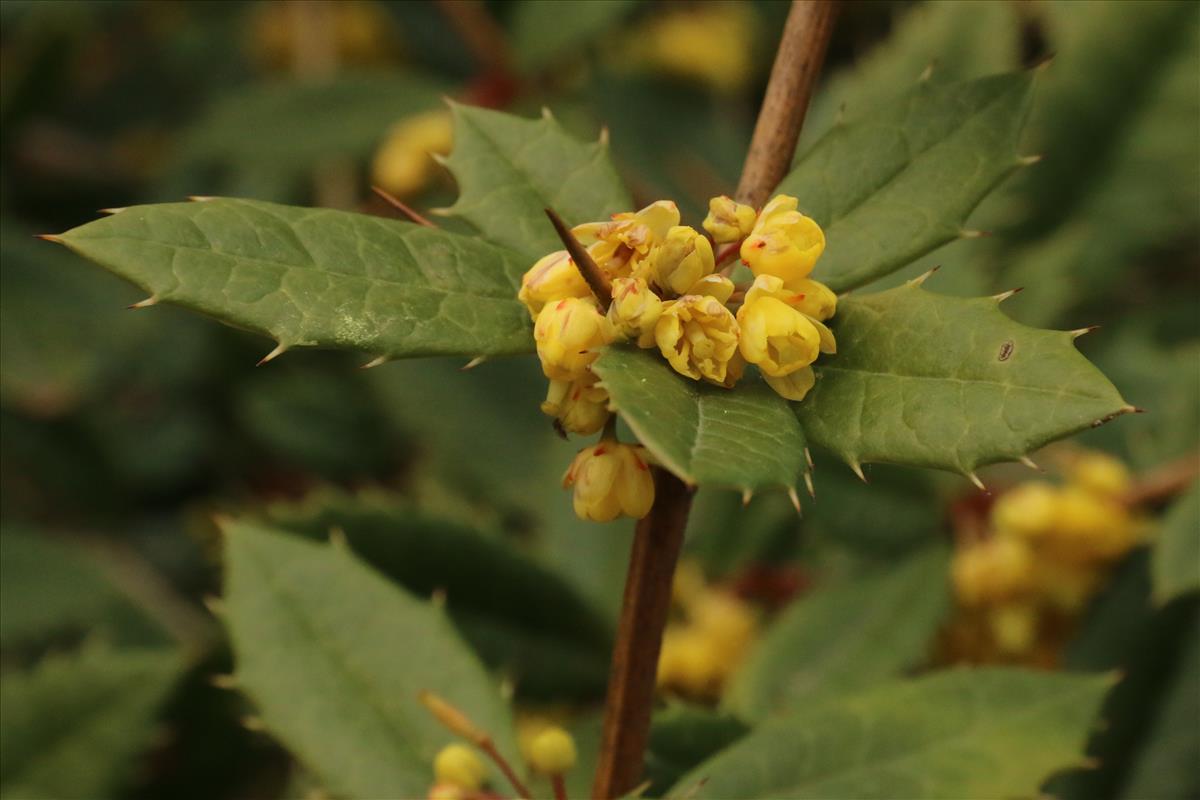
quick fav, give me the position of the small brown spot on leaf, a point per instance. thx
(1006, 350)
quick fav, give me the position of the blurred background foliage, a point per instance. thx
(125, 432)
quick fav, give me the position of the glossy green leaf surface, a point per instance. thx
(961, 733)
(949, 383)
(739, 438)
(844, 637)
(314, 277)
(894, 184)
(73, 725)
(510, 169)
(1175, 567)
(333, 655)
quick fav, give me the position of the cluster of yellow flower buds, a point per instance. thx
(1047, 551)
(670, 292)
(705, 642)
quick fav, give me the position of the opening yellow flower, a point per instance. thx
(621, 244)
(728, 220)
(635, 308)
(611, 480)
(784, 242)
(699, 337)
(580, 406)
(569, 335)
(774, 335)
(553, 277)
(682, 259)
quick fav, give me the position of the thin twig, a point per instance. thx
(1164, 482)
(402, 207)
(588, 268)
(659, 536)
(797, 65)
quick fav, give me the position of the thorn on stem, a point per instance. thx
(1075, 334)
(924, 276)
(808, 457)
(808, 483)
(973, 478)
(49, 237)
(1027, 461)
(473, 363)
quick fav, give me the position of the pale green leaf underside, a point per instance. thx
(844, 638)
(318, 277)
(950, 383)
(334, 655)
(986, 733)
(744, 438)
(1176, 564)
(72, 727)
(895, 184)
(510, 169)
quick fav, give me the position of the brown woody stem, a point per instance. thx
(659, 536)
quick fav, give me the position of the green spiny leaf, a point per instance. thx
(72, 726)
(956, 734)
(313, 277)
(510, 169)
(844, 637)
(897, 183)
(1176, 565)
(741, 438)
(334, 655)
(949, 383)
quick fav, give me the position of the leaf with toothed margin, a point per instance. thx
(315, 277)
(744, 438)
(950, 383)
(334, 655)
(510, 169)
(991, 732)
(895, 184)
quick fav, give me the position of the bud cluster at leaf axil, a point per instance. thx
(666, 287)
(1046, 551)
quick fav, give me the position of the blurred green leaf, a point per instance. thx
(542, 32)
(520, 615)
(919, 739)
(73, 725)
(510, 169)
(683, 736)
(1176, 563)
(727, 535)
(318, 277)
(949, 383)
(48, 588)
(844, 637)
(333, 655)
(740, 438)
(901, 181)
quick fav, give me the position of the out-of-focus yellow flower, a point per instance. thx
(727, 621)
(611, 480)
(793, 386)
(569, 335)
(1067, 587)
(552, 752)
(635, 309)
(784, 242)
(1099, 473)
(774, 335)
(553, 277)
(688, 583)
(690, 662)
(363, 33)
(403, 164)
(1028, 510)
(459, 765)
(580, 406)
(700, 654)
(1000, 568)
(711, 43)
(1014, 627)
(683, 258)
(699, 337)
(1089, 527)
(728, 220)
(620, 245)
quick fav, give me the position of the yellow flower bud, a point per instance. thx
(814, 299)
(552, 752)
(619, 245)
(580, 405)
(784, 242)
(1028, 510)
(611, 480)
(699, 337)
(683, 258)
(1014, 627)
(793, 386)
(446, 791)
(1066, 587)
(635, 309)
(717, 286)
(458, 765)
(728, 220)
(727, 621)
(776, 337)
(690, 663)
(569, 335)
(997, 569)
(1100, 474)
(402, 164)
(553, 277)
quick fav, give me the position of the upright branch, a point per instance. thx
(797, 66)
(659, 536)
